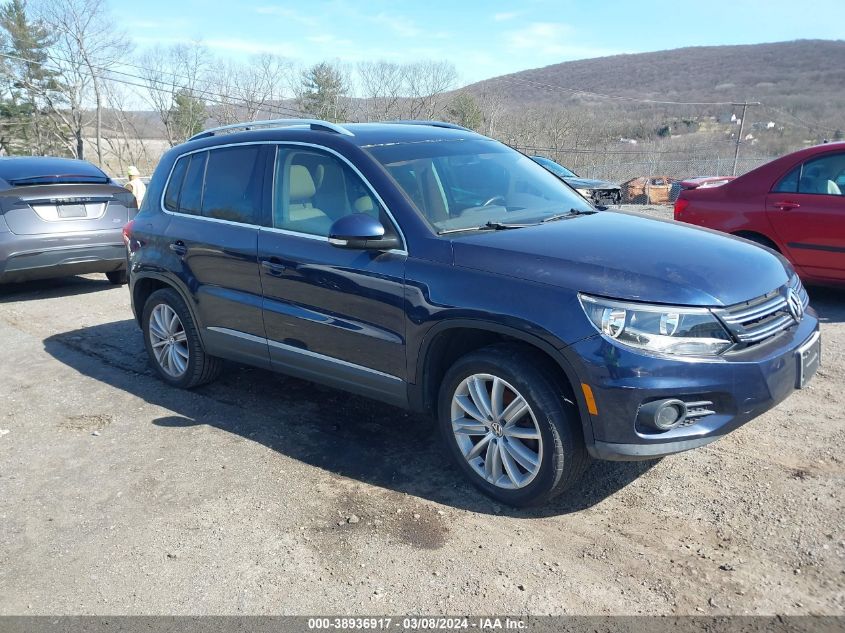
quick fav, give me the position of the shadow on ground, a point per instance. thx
(829, 303)
(348, 435)
(52, 288)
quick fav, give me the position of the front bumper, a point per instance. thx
(28, 257)
(740, 385)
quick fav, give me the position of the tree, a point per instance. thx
(383, 85)
(465, 111)
(427, 81)
(88, 45)
(322, 92)
(168, 72)
(188, 114)
(26, 79)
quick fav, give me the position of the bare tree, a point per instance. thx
(123, 137)
(246, 92)
(87, 42)
(176, 72)
(383, 86)
(427, 82)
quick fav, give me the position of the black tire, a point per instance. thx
(117, 277)
(563, 457)
(201, 367)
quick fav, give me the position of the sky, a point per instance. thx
(482, 38)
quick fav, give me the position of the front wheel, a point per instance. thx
(510, 429)
(173, 343)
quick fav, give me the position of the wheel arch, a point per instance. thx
(447, 341)
(758, 237)
(143, 285)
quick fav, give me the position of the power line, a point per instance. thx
(207, 95)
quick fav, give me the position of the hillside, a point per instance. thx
(808, 75)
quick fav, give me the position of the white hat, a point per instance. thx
(133, 171)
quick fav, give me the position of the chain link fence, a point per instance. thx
(646, 177)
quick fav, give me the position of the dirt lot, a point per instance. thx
(264, 494)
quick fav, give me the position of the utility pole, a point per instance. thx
(741, 127)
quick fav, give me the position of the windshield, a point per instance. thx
(552, 166)
(464, 184)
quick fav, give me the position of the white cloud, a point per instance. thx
(400, 26)
(289, 14)
(544, 39)
(251, 47)
(506, 15)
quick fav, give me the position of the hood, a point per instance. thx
(625, 256)
(589, 183)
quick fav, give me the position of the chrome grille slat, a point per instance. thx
(756, 312)
(758, 334)
(764, 317)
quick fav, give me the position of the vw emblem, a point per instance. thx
(497, 429)
(795, 305)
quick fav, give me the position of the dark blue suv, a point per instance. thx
(435, 269)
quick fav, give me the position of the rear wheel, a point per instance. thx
(117, 277)
(173, 343)
(508, 426)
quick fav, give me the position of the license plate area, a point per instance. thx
(808, 358)
(72, 211)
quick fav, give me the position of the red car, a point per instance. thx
(794, 205)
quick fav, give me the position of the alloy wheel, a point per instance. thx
(496, 431)
(168, 340)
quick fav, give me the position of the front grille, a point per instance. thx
(757, 320)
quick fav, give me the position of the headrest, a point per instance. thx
(364, 204)
(301, 184)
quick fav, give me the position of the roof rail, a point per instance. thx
(450, 126)
(314, 124)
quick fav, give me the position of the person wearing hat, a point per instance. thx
(135, 184)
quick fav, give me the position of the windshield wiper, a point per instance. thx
(488, 226)
(569, 214)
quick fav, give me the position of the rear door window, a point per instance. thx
(234, 178)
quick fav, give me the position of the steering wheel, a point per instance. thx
(493, 199)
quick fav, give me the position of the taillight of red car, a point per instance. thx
(681, 205)
(132, 245)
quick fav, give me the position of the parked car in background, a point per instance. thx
(599, 192)
(647, 190)
(794, 205)
(60, 217)
(693, 183)
(435, 269)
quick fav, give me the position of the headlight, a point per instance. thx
(661, 329)
(587, 193)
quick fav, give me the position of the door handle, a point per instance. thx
(179, 248)
(786, 205)
(273, 267)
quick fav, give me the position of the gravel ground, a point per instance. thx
(262, 494)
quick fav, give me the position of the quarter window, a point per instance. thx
(174, 186)
(789, 183)
(233, 184)
(313, 189)
(190, 201)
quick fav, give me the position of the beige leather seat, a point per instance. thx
(300, 214)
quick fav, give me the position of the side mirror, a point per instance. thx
(361, 231)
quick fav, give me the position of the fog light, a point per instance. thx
(663, 415)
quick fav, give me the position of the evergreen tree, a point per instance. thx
(26, 81)
(322, 92)
(188, 114)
